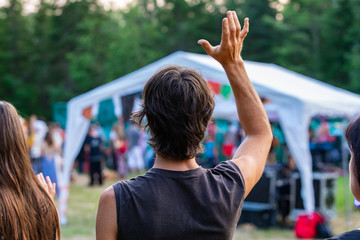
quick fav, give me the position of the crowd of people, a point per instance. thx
(45, 143)
(325, 137)
(125, 151)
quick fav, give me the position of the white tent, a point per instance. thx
(293, 97)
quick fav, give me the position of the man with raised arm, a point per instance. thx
(177, 199)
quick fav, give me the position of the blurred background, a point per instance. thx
(53, 50)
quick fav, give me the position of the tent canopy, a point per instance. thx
(293, 97)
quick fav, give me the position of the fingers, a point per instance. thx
(232, 26)
(206, 46)
(50, 187)
(237, 24)
(225, 37)
(47, 184)
(48, 180)
(245, 29)
(40, 176)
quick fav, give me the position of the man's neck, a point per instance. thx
(175, 165)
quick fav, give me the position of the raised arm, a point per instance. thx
(251, 155)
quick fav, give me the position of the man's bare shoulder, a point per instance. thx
(106, 226)
(108, 196)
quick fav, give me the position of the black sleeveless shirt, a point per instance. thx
(194, 204)
(351, 235)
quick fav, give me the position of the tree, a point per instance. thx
(320, 39)
(299, 45)
(262, 37)
(15, 43)
(337, 42)
(79, 41)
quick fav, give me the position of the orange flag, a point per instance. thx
(87, 113)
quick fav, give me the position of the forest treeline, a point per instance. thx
(63, 50)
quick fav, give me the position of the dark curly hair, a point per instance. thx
(178, 104)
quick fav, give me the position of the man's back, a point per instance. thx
(193, 204)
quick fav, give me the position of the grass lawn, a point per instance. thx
(82, 208)
(83, 204)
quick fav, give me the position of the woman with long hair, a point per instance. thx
(27, 209)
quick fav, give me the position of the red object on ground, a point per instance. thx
(305, 226)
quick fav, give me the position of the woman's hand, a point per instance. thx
(48, 185)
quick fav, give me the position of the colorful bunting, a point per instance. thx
(87, 113)
(215, 86)
(225, 91)
(220, 89)
(106, 116)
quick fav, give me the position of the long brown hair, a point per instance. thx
(27, 212)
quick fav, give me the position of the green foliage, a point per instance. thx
(15, 48)
(337, 42)
(319, 39)
(300, 33)
(61, 51)
(261, 38)
(353, 60)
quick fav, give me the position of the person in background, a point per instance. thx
(49, 152)
(352, 134)
(119, 147)
(121, 159)
(134, 155)
(229, 147)
(31, 130)
(271, 159)
(38, 131)
(113, 145)
(57, 134)
(177, 199)
(324, 144)
(240, 136)
(210, 151)
(93, 145)
(27, 209)
(82, 157)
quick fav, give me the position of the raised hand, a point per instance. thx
(231, 40)
(251, 155)
(48, 185)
